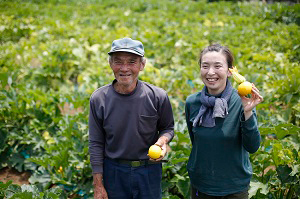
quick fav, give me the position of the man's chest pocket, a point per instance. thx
(148, 124)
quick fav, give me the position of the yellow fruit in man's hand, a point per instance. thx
(245, 88)
(154, 152)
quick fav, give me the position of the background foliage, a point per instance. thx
(53, 55)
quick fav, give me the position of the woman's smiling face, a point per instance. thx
(214, 71)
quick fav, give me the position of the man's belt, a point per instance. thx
(136, 163)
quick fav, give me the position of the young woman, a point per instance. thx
(223, 130)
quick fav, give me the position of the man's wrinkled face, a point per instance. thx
(126, 67)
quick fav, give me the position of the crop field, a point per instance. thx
(53, 55)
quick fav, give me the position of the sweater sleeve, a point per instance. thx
(250, 133)
(166, 120)
(96, 140)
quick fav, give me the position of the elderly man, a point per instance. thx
(126, 118)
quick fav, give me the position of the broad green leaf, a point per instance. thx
(284, 172)
(23, 195)
(184, 187)
(267, 130)
(12, 189)
(295, 170)
(283, 130)
(4, 186)
(257, 187)
(30, 188)
(174, 197)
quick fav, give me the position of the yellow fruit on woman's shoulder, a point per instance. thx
(245, 88)
(154, 152)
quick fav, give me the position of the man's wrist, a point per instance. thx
(165, 139)
(97, 179)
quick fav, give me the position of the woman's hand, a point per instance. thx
(250, 103)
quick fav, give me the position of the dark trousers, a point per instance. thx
(126, 182)
(198, 195)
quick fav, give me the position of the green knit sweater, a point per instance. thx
(219, 162)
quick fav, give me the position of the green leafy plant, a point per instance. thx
(53, 55)
(276, 164)
(13, 191)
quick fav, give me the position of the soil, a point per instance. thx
(20, 178)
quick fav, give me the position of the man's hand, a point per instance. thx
(99, 190)
(162, 143)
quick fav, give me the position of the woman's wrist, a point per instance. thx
(247, 114)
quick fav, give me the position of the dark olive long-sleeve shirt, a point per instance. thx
(124, 126)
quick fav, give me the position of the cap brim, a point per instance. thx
(126, 50)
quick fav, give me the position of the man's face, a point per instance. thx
(126, 68)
